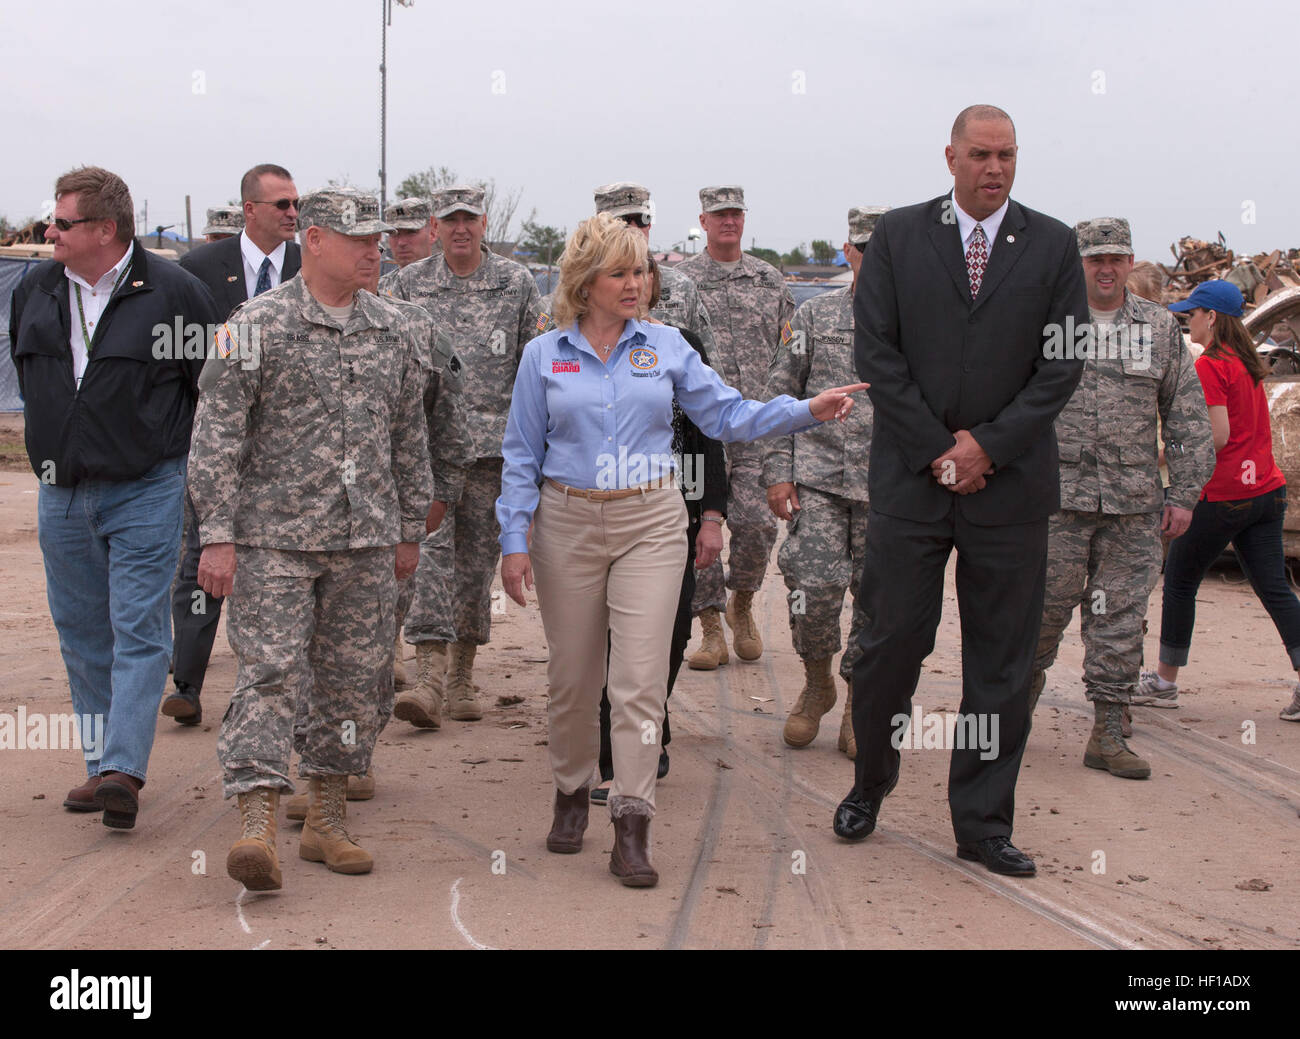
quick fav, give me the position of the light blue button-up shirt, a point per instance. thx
(608, 426)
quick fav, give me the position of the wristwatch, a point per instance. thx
(713, 519)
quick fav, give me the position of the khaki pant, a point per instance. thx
(612, 567)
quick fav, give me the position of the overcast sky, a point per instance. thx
(1176, 115)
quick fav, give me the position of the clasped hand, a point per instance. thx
(963, 467)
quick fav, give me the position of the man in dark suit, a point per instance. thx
(234, 269)
(954, 303)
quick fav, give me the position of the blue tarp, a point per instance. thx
(12, 270)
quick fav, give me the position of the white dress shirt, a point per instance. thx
(966, 225)
(93, 300)
(253, 257)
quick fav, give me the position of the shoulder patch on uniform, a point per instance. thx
(542, 321)
(787, 333)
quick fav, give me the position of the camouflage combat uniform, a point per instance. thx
(314, 462)
(488, 318)
(1104, 544)
(747, 309)
(823, 551)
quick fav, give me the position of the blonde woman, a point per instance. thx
(588, 462)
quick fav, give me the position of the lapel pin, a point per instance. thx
(136, 284)
(1011, 238)
(233, 277)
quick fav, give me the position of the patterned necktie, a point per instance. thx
(977, 258)
(263, 278)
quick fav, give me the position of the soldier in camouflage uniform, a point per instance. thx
(488, 307)
(309, 464)
(223, 222)
(412, 241)
(748, 306)
(1104, 544)
(817, 481)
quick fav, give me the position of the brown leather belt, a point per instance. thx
(594, 495)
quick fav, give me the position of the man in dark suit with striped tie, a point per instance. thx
(235, 269)
(957, 303)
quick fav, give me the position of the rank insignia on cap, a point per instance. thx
(787, 333)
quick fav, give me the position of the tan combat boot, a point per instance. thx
(713, 648)
(252, 860)
(1106, 747)
(462, 696)
(324, 838)
(848, 743)
(815, 699)
(744, 632)
(362, 788)
(399, 669)
(422, 706)
(295, 808)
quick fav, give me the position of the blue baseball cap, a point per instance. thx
(1222, 297)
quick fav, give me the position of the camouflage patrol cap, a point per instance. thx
(862, 221)
(458, 196)
(224, 220)
(410, 214)
(725, 196)
(345, 210)
(1104, 235)
(623, 199)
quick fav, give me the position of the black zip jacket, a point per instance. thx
(133, 409)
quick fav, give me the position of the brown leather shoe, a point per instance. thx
(630, 859)
(119, 795)
(82, 798)
(570, 822)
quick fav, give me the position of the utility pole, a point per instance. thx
(189, 224)
(386, 19)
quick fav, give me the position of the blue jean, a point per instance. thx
(110, 549)
(1254, 526)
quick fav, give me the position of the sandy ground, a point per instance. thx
(742, 840)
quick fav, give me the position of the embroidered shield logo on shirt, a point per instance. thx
(643, 358)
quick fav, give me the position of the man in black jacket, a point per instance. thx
(954, 302)
(108, 342)
(235, 269)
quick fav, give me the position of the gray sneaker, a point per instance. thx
(1292, 713)
(1149, 693)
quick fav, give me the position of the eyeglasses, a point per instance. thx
(67, 225)
(282, 204)
(637, 219)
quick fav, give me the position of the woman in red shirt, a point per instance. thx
(1243, 503)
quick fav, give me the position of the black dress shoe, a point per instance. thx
(855, 817)
(663, 763)
(999, 855)
(183, 705)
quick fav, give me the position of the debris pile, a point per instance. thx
(1257, 276)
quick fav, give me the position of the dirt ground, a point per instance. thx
(742, 839)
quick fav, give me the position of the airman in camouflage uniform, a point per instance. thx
(818, 482)
(488, 307)
(1104, 544)
(309, 464)
(748, 305)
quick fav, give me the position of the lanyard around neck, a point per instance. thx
(81, 312)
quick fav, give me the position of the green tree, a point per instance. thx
(795, 257)
(823, 251)
(768, 255)
(543, 241)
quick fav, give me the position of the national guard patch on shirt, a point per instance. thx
(558, 367)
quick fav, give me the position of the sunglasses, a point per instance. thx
(282, 204)
(67, 225)
(637, 219)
